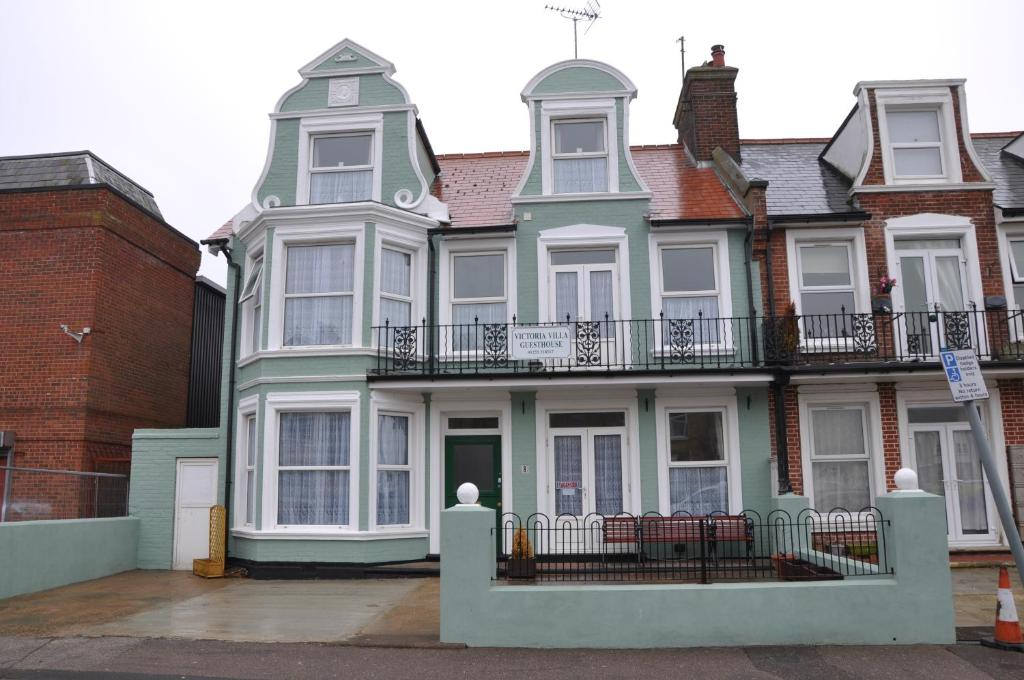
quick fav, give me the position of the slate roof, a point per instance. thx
(1007, 172)
(798, 183)
(70, 169)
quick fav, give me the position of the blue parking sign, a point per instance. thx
(953, 374)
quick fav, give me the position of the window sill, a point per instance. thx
(308, 351)
(322, 535)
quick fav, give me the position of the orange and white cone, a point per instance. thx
(1008, 633)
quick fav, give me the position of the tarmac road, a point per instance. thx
(107, 658)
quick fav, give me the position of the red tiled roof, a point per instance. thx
(224, 231)
(478, 187)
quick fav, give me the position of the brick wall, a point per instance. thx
(86, 257)
(706, 117)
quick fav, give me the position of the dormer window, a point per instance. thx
(580, 156)
(915, 139)
(341, 168)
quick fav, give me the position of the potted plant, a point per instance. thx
(522, 564)
(782, 336)
(881, 303)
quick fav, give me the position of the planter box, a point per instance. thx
(521, 568)
(791, 569)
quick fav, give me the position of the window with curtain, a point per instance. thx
(689, 290)
(395, 287)
(579, 156)
(314, 468)
(252, 302)
(915, 139)
(341, 169)
(840, 463)
(1017, 270)
(478, 297)
(394, 471)
(250, 469)
(318, 295)
(698, 474)
(826, 287)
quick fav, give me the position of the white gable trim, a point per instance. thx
(307, 70)
(628, 87)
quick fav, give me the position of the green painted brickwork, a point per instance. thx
(373, 91)
(578, 79)
(281, 176)
(46, 554)
(329, 64)
(755, 467)
(648, 437)
(389, 550)
(369, 277)
(524, 452)
(913, 607)
(627, 181)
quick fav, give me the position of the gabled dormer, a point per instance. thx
(579, 133)
(348, 133)
(907, 134)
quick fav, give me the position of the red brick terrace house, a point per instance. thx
(97, 306)
(903, 190)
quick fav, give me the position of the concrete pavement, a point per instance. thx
(130, 658)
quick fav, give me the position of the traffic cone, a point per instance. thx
(1008, 635)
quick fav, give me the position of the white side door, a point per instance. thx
(195, 493)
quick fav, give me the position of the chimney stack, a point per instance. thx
(706, 113)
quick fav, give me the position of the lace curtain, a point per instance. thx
(698, 490)
(315, 497)
(568, 470)
(973, 513)
(393, 484)
(324, 274)
(608, 474)
(702, 310)
(341, 187)
(580, 175)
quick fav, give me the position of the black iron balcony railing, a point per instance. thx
(702, 343)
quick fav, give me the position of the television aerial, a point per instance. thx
(590, 13)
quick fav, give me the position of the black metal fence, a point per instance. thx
(663, 344)
(687, 548)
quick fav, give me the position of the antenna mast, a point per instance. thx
(590, 12)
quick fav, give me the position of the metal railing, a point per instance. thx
(38, 493)
(687, 548)
(702, 343)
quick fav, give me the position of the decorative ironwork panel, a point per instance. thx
(864, 339)
(588, 343)
(404, 347)
(680, 339)
(914, 344)
(495, 345)
(956, 330)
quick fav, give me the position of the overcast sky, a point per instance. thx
(176, 94)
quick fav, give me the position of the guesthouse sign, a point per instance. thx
(541, 342)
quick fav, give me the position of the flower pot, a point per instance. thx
(521, 568)
(881, 305)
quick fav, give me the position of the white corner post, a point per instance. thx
(988, 462)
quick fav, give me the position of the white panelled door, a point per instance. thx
(195, 493)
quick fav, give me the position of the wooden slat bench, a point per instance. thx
(616, 530)
(730, 528)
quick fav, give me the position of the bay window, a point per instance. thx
(395, 287)
(579, 156)
(250, 469)
(252, 304)
(839, 457)
(698, 472)
(314, 468)
(394, 471)
(341, 168)
(318, 295)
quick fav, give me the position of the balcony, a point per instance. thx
(841, 341)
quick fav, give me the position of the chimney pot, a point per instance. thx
(718, 55)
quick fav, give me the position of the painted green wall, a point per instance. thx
(46, 554)
(336, 551)
(648, 438)
(914, 606)
(578, 79)
(524, 452)
(373, 91)
(360, 62)
(282, 174)
(755, 452)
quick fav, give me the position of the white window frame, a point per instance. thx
(301, 236)
(853, 238)
(409, 299)
(247, 408)
(865, 398)
(555, 156)
(714, 401)
(312, 169)
(719, 242)
(413, 243)
(250, 343)
(292, 402)
(452, 248)
(414, 409)
(577, 110)
(939, 100)
(1008, 233)
(336, 125)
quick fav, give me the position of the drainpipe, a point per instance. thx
(221, 246)
(431, 286)
(748, 248)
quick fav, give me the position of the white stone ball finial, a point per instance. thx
(906, 479)
(468, 494)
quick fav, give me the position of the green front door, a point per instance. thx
(476, 459)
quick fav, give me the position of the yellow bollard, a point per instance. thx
(213, 567)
